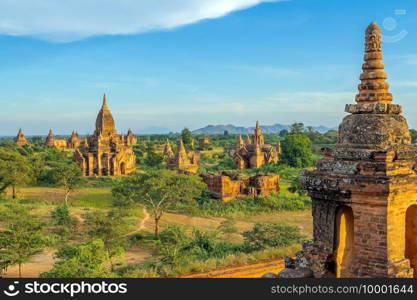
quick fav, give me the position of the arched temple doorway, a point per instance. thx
(344, 240)
(123, 168)
(411, 237)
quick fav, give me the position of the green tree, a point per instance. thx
(38, 168)
(110, 227)
(83, 261)
(413, 134)
(158, 191)
(187, 137)
(68, 176)
(297, 128)
(297, 150)
(22, 237)
(14, 170)
(283, 133)
(153, 159)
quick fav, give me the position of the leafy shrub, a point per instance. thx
(269, 235)
(61, 215)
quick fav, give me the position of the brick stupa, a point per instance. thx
(364, 191)
(21, 139)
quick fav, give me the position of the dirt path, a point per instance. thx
(41, 262)
(143, 221)
(255, 270)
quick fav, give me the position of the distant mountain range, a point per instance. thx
(276, 128)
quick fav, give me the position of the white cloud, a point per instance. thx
(406, 83)
(69, 20)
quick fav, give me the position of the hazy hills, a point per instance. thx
(276, 128)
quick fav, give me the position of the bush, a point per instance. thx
(270, 235)
(207, 206)
(61, 215)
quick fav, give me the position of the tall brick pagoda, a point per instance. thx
(364, 191)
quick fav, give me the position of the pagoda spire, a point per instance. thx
(104, 101)
(373, 87)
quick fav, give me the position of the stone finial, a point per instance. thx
(373, 87)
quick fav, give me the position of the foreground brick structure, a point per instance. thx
(228, 186)
(364, 191)
(182, 160)
(106, 152)
(21, 139)
(254, 153)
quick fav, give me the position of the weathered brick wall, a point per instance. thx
(227, 186)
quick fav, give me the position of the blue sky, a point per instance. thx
(186, 63)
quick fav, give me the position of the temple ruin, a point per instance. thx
(63, 144)
(181, 160)
(106, 152)
(229, 185)
(203, 143)
(254, 153)
(364, 191)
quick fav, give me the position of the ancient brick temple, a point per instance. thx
(181, 160)
(106, 152)
(228, 185)
(364, 191)
(254, 153)
(203, 143)
(63, 144)
(74, 141)
(132, 139)
(21, 139)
